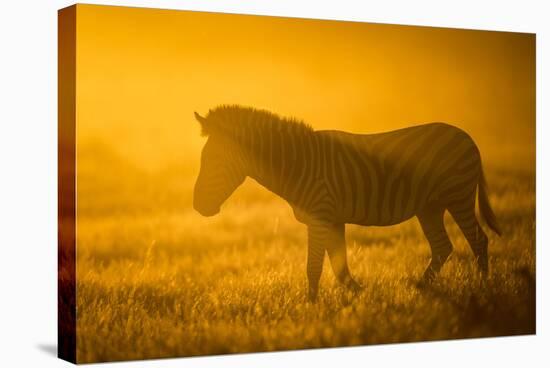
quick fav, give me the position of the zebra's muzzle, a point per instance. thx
(207, 211)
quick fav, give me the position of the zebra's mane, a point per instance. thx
(239, 121)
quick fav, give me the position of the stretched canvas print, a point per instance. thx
(235, 183)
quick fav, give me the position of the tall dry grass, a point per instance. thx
(155, 279)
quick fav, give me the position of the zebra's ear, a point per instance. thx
(203, 123)
(199, 118)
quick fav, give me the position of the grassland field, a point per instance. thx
(155, 279)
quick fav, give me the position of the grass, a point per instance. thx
(155, 279)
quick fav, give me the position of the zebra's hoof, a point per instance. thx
(423, 284)
(426, 280)
(355, 287)
(483, 266)
(312, 296)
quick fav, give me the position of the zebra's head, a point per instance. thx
(222, 170)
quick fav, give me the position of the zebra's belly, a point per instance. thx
(383, 212)
(379, 220)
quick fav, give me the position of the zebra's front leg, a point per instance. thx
(316, 238)
(336, 248)
(331, 237)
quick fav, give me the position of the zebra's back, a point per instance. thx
(386, 178)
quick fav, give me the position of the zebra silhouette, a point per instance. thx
(331, 178)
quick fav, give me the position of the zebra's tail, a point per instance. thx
(484, 205)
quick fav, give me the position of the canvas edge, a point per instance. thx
(66, 312)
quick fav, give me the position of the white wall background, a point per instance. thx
(28, 184)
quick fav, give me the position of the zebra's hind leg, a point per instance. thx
(336, 249)
(431, 221)
(465, 216)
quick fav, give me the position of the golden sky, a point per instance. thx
(142, 72)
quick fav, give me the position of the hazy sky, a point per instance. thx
(141, 73)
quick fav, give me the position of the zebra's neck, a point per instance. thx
(284, 161)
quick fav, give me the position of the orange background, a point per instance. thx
(142, 72)
(157, 279)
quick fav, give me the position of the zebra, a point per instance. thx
(332, 178)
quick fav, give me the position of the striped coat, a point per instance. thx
(332, 178)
